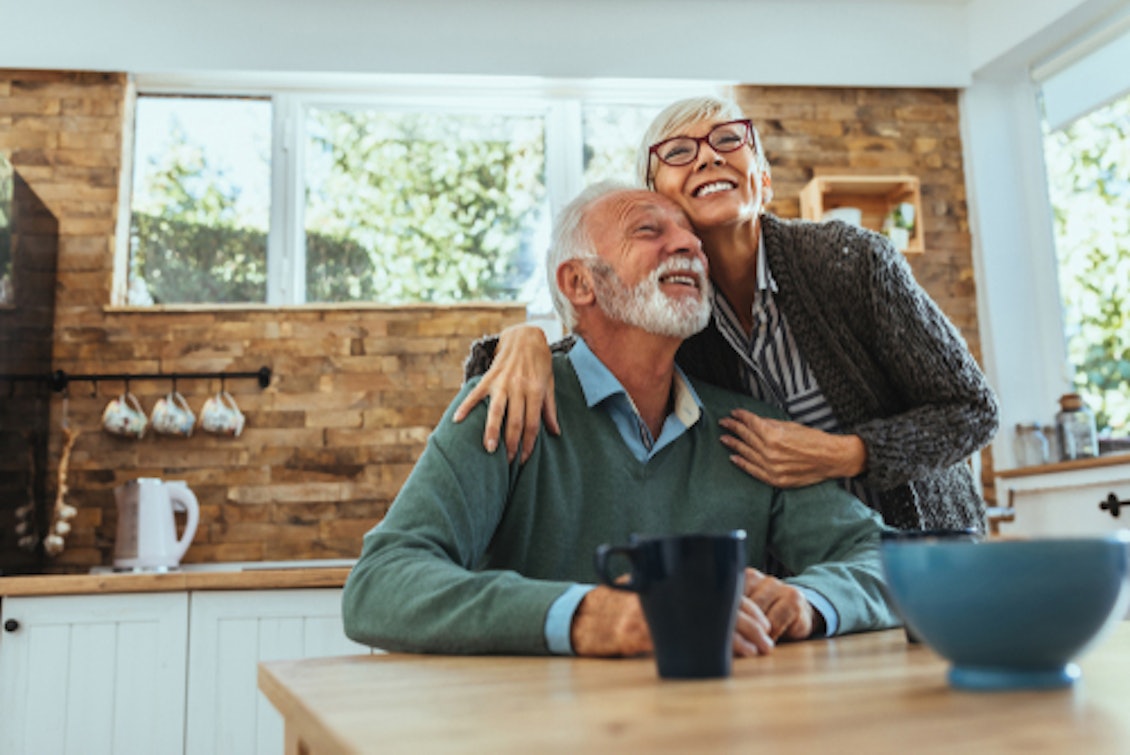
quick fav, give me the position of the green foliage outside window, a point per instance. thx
(1089, 179)
(186, 262)
(429, 208)
(189, 244)
(398, 208)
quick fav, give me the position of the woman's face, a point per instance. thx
(716, 188)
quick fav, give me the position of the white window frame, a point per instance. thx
(561, 102)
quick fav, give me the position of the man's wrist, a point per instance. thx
(559, 620)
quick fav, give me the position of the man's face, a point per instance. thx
(652, 273)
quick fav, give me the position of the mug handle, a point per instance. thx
(144, 425)
(133, 402)
(181, 401)
(604, 554)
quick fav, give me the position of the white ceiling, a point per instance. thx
(813, 42)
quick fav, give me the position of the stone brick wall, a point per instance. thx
(913, 131)
(355, 389)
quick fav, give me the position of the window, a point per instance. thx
(201, 200)
(402, 193)
(1088, 164)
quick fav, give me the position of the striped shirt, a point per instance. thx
(773, 368)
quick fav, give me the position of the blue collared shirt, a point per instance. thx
(600, 387)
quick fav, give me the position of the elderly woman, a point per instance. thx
(823, 320)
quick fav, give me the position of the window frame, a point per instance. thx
(560, 102)
(1067, 86)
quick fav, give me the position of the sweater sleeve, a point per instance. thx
(951, 411)
(830, 541)
(481, 356)
(415, 587)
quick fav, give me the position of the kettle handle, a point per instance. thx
(185, 500)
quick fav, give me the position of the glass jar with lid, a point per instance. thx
(1031, 445)
(1075, 429)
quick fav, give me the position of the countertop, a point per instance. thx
(265, 575)
(1108, 460)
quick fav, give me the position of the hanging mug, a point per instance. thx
(171, 415)
(124, 416)
(221, 415)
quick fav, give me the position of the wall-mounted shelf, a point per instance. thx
(874, 194)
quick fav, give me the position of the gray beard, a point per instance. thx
(645, 306)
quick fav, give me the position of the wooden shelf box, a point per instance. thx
(874, 195)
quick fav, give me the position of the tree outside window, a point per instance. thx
(1088, 165)
(415, 207)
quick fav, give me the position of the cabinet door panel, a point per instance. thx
(1067, 504)
(230, 633)
(90, 689)
(94, 674)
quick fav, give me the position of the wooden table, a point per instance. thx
(869, 693)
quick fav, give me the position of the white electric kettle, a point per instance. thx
(147, 532)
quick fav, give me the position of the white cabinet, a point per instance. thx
(230, 632)
(1068, 499)
(93, 674)
(154, 673)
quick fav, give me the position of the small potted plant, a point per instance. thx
(899, 225)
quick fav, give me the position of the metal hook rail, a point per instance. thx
(60, 379)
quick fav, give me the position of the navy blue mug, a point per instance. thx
(690, 587)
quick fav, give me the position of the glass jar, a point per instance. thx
(1031, 445)
(1075, 429)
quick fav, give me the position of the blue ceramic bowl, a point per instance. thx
(1009, 614)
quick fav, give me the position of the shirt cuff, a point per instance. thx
(559, 619)
(822, 604)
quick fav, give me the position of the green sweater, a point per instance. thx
(475, 549)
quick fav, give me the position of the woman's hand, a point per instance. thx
(789, 454)
(520, 385)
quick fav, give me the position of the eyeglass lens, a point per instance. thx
(725, 137)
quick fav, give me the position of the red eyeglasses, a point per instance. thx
(725, 137)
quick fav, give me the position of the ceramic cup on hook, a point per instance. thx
(221, 415)
(171, 415)
(124, 416)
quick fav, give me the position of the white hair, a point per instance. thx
(571, 240)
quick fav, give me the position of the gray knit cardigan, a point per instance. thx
(893, 368)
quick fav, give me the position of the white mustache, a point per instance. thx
(680, 265)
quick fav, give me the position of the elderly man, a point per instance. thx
(482, 555)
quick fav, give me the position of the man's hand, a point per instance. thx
(610, 622)
(520, 385)
(770, 610)
(789, 454)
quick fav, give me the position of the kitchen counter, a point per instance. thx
(266, 575)
(1097, 462)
